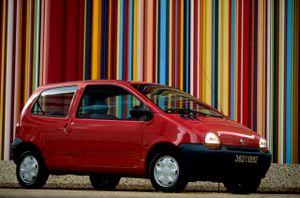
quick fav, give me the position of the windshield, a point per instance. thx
(172, 100)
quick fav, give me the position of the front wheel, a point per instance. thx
(104, 182)
(242, 187)
(166, 173)
(31, 171)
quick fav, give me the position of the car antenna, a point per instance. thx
(219, 106)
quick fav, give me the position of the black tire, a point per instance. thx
(242, 187)
(104, 182)
(31, 171)
(172, 173)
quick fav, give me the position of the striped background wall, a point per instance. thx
(241, 56)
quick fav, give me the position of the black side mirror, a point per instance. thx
(141, 114)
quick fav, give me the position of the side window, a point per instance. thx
(54, 102)
(108, 102)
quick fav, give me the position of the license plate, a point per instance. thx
(247, 159)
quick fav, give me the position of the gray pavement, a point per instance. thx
(279, 179)
(50, 193)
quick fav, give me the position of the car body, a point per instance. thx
(110, 129)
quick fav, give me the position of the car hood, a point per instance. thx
(230, 132)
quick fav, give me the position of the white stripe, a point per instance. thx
(192, 48)
(8, 87)
(242, 60)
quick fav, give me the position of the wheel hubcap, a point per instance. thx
(166, 171)
(29, 169)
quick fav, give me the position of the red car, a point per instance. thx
(114, 129)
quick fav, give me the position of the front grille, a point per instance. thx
(245, 149)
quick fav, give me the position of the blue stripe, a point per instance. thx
(104, 40)
(187, 42)
(162, 44)
(88, 40)
(215, 54)
(232, 84)
(122, 17)
(130, 54)
(289, 80)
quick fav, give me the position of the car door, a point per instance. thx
(103, 133)
(49, 117)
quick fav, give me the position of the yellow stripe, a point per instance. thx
(226, 56)
(208, 50)
(135, 39)
(170, 43)
(2, 74)
(220, 70)
(84, 41)
(181, 44)
(118, 42)
(95, 37)
(281, 83)
(223, 66)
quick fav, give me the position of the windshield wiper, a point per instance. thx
(190, 111)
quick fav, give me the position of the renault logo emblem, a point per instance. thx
(242, 141)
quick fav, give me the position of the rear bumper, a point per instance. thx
(201, 163)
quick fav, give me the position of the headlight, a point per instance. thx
(212, 141)
(263, 143)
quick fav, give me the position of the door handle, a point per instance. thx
(67, 127)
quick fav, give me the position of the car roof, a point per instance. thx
(86, 82)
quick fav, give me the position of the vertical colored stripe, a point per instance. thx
(162, 42)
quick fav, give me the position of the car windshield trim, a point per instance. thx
(165, 97)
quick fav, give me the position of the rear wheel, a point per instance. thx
(166, 173)
(104, 182)
(242, 187)
(31, 171)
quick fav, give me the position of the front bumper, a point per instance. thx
(201, 163)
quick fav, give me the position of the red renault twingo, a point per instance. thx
(114, 129)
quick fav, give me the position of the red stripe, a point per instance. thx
(252, 65)
(80, 38)
(31, 47)
(113, 48)
(173, 40)
(55, 51)
(126, 39)
(154, 40)
(246, 62)
(196, 90)
(178, 42)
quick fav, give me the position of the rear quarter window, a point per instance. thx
(54, 102)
